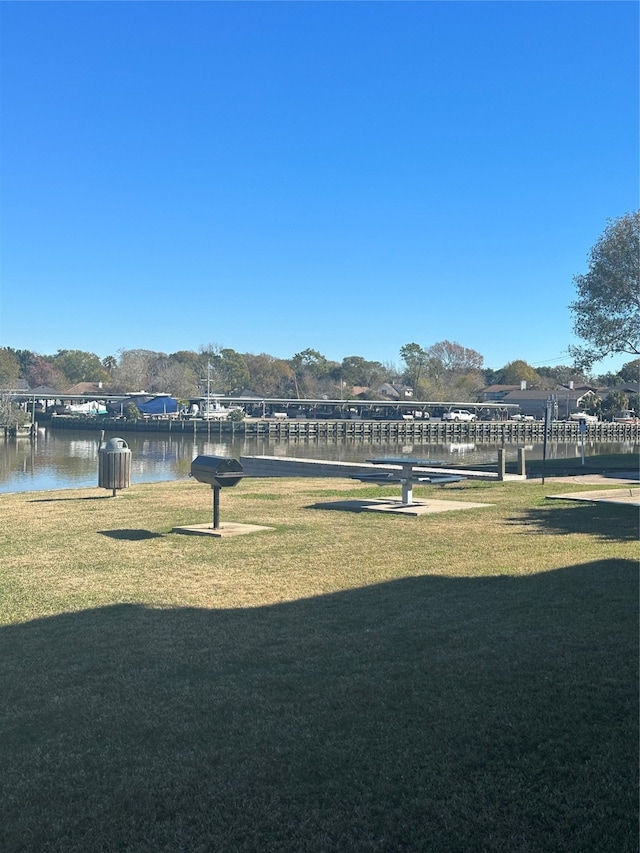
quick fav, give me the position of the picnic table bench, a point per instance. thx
(433, 479)
(407, 476)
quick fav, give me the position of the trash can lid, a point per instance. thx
(116, 444)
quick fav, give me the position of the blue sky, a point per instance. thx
(274, 176)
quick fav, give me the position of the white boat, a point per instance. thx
(214, 410)
(93, 407)
(625, 416)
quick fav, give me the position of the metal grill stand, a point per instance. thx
(218, 472)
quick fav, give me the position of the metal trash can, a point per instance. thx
(114, 465)
(217, 472)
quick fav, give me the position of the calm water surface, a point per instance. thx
(62, 459)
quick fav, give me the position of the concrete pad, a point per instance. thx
(394, 506)
(622, 478)
(628, 496)
(227, 528)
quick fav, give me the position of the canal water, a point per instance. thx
(62, 459)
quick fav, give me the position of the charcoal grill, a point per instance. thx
(219, 472)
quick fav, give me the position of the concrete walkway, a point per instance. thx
(630, 494)
(611, 496)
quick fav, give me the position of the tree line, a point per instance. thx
(606, 318)
(444, 370)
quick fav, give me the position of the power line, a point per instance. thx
(547, 361)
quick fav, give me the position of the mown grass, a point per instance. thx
(345, 682)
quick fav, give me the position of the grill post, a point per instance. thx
(216, 507)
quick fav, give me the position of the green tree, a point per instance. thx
(269, 376)
(491, 376)
(607, 380)
(311, 373)
(562, 375)
(80, 366)
(9, 369)
(416, 361)
(518, 371)
(355, 370)
(630, 372)
(615, 401)
(110, 362)
(26, 359)
(190, 359)
(607, 311)
(232, 371)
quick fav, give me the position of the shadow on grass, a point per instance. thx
(131, 535)
(424, 714)
(55, 500)
(346, 504)
(608, 521)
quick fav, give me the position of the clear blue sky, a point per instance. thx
(348, 177)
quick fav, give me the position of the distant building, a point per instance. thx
(626, 388)
(496, 393)
(86, 388)
(395, 392)
(533, 401)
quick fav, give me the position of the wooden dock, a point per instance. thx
(425, 432)
(439, 432)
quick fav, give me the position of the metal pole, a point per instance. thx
(216, 507)
(549, 406)
(407, 486)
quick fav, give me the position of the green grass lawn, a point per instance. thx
(345, 682)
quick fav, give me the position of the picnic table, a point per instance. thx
(407, 475)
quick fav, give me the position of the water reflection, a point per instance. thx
(63, 459)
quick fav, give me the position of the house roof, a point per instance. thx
(87, 388)
(247, 392)
(494, 389)
(627, 388)
(46, 392)
(534, 394)
(388, 389)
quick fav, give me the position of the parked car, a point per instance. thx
(583, 416)
(459, 415)
(625, 416)
(520, 417)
